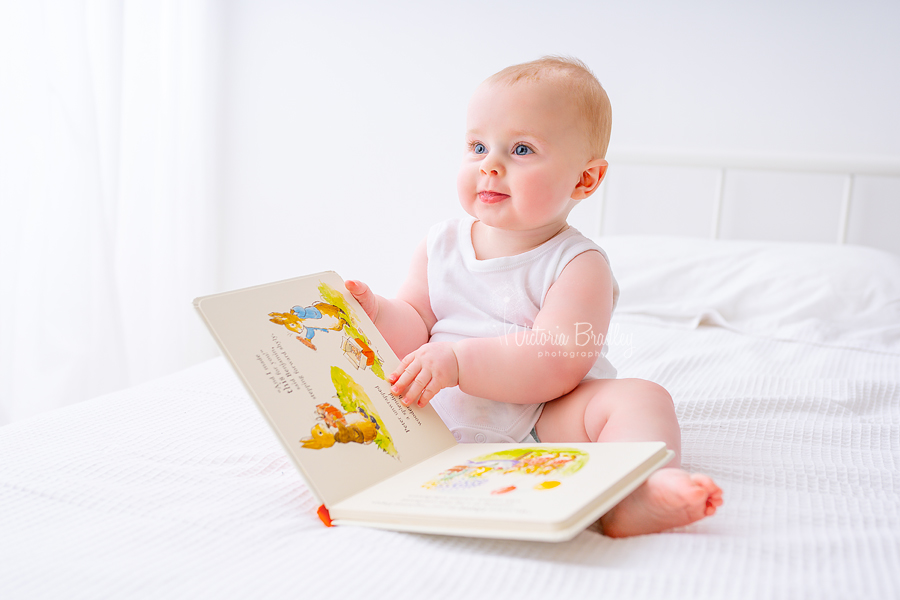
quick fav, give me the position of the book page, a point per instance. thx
(317, 367)
(544, 486)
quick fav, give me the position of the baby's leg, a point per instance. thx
(633, 410)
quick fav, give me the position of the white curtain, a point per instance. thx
(107, 215)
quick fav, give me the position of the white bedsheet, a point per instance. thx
(178, 489)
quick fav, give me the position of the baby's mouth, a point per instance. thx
(489, 197)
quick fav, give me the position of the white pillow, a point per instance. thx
(838, 295)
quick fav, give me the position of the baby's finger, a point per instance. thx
(405, 379)
(401, 368)
(428, 393)
(356, 288)
(416, 388)
(364, 296)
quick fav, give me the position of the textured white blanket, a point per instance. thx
(177, 489)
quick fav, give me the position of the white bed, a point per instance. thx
(784, 362)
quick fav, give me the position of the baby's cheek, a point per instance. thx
(466, 183)
(464, 180)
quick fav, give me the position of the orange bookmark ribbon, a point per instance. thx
(324, 516)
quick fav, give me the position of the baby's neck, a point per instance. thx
(491, 242)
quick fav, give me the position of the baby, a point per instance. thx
(503, 316)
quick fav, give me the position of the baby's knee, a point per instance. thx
(650, 392)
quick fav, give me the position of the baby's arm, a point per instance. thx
(405, 321)
(574, 320)
(577, 310)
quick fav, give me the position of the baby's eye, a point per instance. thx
(478, 148)
(522, 150)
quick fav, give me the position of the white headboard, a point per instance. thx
(743, 196)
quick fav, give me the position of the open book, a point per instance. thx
(317, 367)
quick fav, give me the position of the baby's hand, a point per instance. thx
(364, 296)
(425, 372)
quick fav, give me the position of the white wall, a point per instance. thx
(342, 122)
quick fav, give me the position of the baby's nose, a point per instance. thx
(490, 166)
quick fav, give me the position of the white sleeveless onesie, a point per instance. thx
(474, 298)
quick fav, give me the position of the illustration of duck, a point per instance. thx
(362, 432)
(331, 415)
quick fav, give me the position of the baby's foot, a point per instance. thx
(669, 498)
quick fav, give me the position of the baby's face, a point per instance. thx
(526, 151)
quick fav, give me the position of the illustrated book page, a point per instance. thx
(317, 367)
(526, 491)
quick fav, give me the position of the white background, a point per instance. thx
(342, 123)
(152, 151)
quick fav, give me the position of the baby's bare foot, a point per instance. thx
(669, 498)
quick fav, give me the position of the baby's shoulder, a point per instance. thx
(591, 262)
(571, 244)
(589, 271)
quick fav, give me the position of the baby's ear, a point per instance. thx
(590, 179)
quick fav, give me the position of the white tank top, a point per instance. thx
(474, 298)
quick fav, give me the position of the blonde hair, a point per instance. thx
(578, 81)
